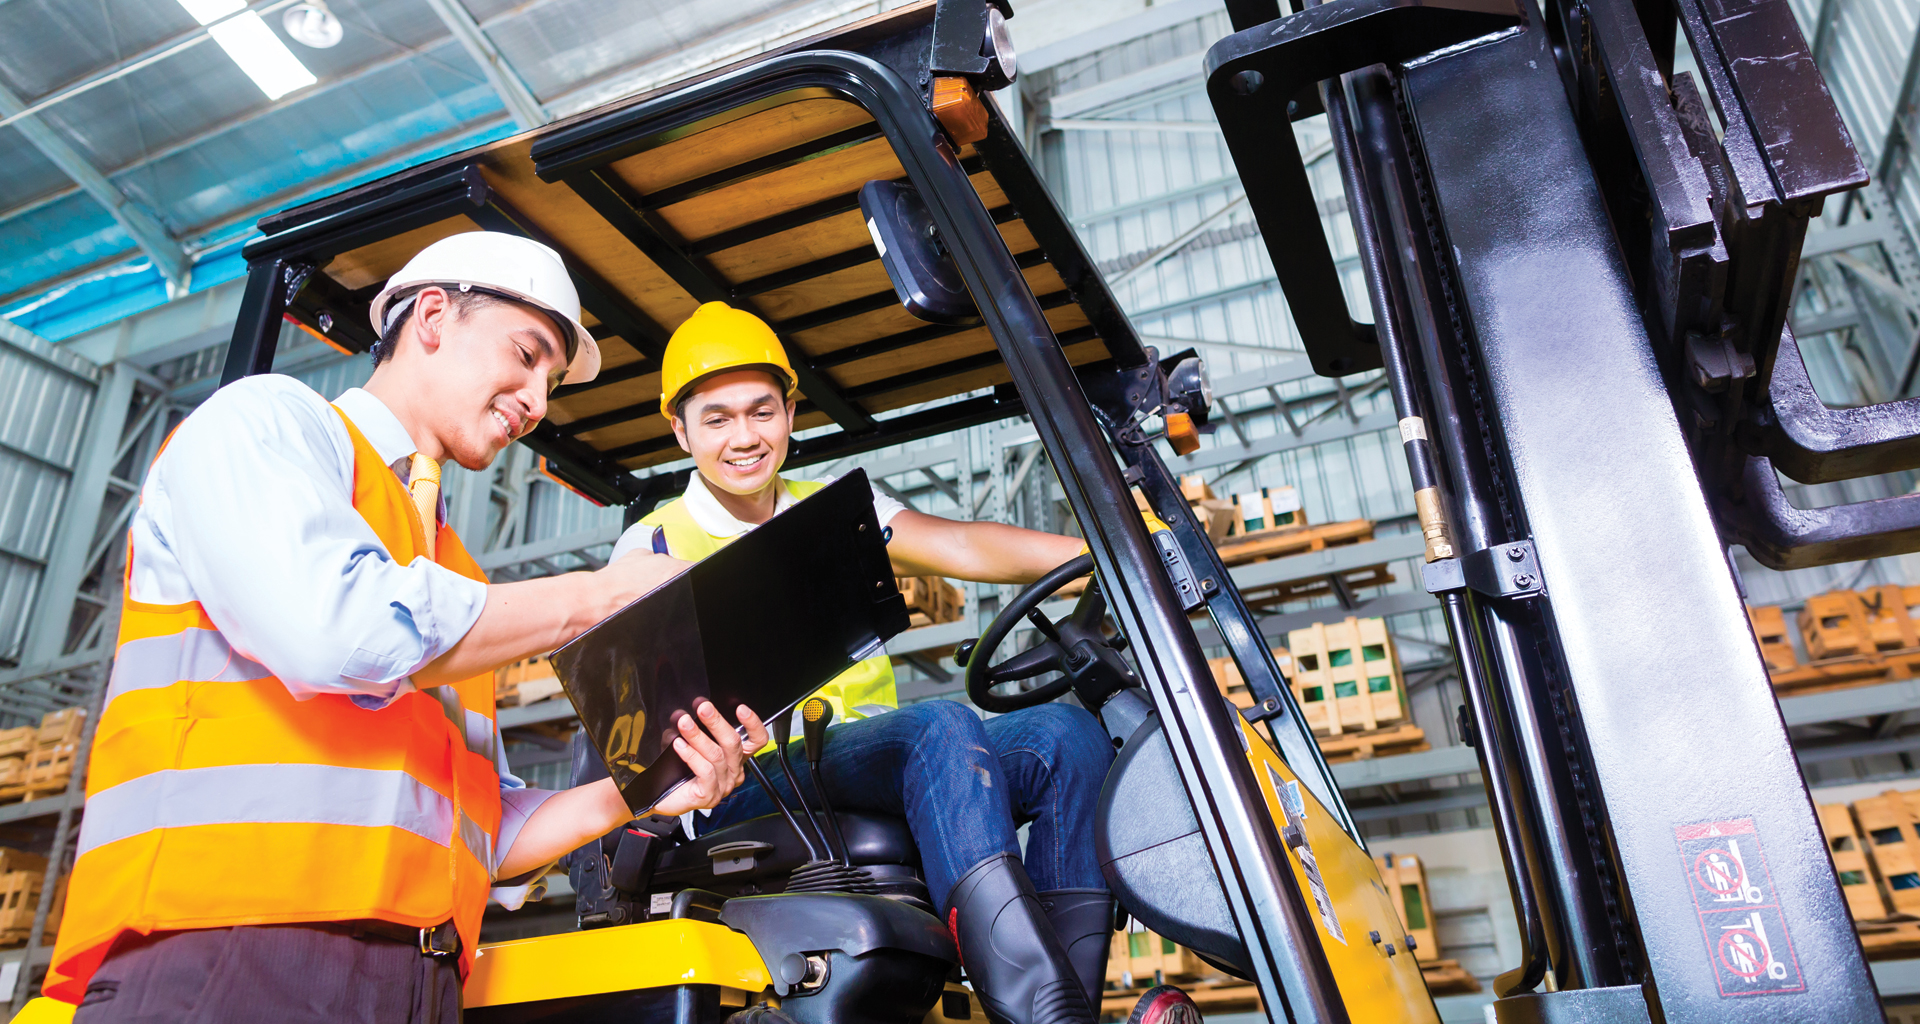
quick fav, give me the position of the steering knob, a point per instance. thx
(963, 652)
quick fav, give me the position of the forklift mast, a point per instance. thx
(1579, 263)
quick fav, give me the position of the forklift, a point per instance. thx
(1577, 273)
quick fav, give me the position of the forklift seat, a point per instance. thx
(758, 855)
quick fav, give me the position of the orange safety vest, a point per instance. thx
(215, 799)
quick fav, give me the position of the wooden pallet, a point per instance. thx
(1265, 545)
(1279, 542)
(60, 727)
(1359, 746)
(1847, 672)
(20, 900)
(1448, 978)
(525, 682)
(1852, 638)
(17, 742)
(45, 772)
(1892, 939)
(1212, 995)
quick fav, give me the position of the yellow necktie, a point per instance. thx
(423, 482)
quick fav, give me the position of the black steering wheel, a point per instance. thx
(1075, 645)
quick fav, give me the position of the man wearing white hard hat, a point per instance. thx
(298, 802)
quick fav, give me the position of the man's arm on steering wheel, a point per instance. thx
(925, 545)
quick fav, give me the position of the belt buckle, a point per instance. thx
(428, 946)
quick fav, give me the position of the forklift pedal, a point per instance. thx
(760, 1013)
(1164, 1004)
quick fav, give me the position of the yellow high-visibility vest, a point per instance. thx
(862, 691)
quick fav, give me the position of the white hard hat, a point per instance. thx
(517, 267)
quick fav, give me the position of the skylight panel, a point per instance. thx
(252, 45)
(206, 12)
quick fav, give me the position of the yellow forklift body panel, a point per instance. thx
(1348, 901)
(620, 959)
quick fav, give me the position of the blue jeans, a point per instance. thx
(963, 786)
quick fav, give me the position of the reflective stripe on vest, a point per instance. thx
(216, 799)
(200, 655)
(320, 794)
(863, 691)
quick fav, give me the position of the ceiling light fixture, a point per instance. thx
(311, 24)
(252, 45)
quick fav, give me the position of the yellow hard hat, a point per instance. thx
(715, 339)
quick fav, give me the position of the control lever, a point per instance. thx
(815, 716)
(782, 732)
(792, 822)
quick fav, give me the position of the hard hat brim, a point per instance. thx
(583, 367)
(671, 408)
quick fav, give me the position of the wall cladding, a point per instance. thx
(45, 396)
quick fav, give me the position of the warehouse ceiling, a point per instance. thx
(138, 142)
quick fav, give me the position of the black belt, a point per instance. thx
(439, 941)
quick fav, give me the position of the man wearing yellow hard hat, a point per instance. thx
(1033, 935)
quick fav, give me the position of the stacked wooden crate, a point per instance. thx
(37, 761)
(525, 682)
(931, 600)
(1346, 676)
(1406, 881)
(22, 875)
(1875, 847)
(1354, 742)
(1850, 638)
(1140, 959)
(1216, 517)
(1269, 508)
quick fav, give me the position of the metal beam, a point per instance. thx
(1456, 801)
(627, 212)
(1427, 764)
(1323, 432)
(1847, 236)
(166, 252)
(513, 92)
(1094, 124)
(550, 548)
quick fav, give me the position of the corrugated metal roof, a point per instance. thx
(192, 139)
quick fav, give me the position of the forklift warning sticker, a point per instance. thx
(1740, 917)
(1294, 832)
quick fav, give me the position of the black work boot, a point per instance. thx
(1082, 920)
(1018, 967)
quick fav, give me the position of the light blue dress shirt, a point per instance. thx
(249, 511)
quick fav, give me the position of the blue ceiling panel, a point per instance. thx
(188, 136)
(54, 240)
(94, 301)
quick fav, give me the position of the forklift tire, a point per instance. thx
(1164, 1004)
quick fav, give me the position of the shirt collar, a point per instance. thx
(713, 517)
(378, 424)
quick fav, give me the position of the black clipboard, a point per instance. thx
(764, 622)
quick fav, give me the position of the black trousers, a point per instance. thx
(289, 974)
